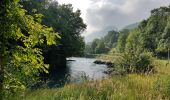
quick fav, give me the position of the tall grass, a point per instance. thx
(130, 87)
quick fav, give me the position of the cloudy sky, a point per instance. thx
(98, 14)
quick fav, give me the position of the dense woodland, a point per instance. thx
(36, 37)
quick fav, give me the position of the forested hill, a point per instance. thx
(131, 26)
(106, 43)
(99, 34)
(151, 35)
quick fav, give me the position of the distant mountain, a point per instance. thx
(99, 34)
(131, 26)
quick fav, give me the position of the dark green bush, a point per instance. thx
(135, 62)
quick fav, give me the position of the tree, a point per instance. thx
(164, 42)
(111, 39)
(153, 31)
(133, 43)
(134, 58)
(33, 6)
(67, 22)
(120, 47)
(88, 49)
(20, 58)
(94, 45)
(70, 26)
(104, 44)
(101, 48)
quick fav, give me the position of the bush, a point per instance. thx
(135, 58)
(113, 51)
(144, 63)
(135, 62)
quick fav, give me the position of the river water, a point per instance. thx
(78, 70)
(85, 67)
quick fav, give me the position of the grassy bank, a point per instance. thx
(107, 57)
(130, 87)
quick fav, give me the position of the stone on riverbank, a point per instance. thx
(108, 63)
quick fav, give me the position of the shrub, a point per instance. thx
(135, 58)
(135, 62)
(144, 62)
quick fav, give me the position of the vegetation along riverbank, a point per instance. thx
(42, 45)
(131, 86)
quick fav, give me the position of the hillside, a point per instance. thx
(98, 34)
(131, 26)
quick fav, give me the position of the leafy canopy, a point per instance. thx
(21, 34)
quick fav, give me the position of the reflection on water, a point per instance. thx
(78, 69)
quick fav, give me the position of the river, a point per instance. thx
(78, 70)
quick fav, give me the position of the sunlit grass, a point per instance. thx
(106, 57)
(130, 87)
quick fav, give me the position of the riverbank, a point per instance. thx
(132, 87)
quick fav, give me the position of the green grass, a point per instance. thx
(130, 87)
(108, 57)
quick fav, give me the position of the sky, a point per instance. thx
(99, 14)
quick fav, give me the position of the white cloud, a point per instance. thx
(120, 13)
(98, 14)
(77, 4)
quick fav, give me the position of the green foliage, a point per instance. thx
(113, 51)
(130, 86)
(88, 49)
(21, 59)
(111, 39)
(103, 45)
(135, 63)
(152, 35)
(135, 58)
(133, 86)
(64, 20)
(154, 31)
(164, 42)
(34, 6)
(163, 85)
(133, 42)
(122, 41)
(69, 24)
(101, 48)
(94, 45)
